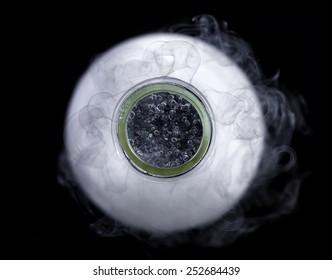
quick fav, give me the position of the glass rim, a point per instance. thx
(172, 86)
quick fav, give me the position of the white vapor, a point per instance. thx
(252, 122)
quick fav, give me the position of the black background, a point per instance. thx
(57, 44)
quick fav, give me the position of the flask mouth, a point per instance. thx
(163, 127)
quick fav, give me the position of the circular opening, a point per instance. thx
(164, 128)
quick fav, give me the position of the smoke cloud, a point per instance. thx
(258, 178)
